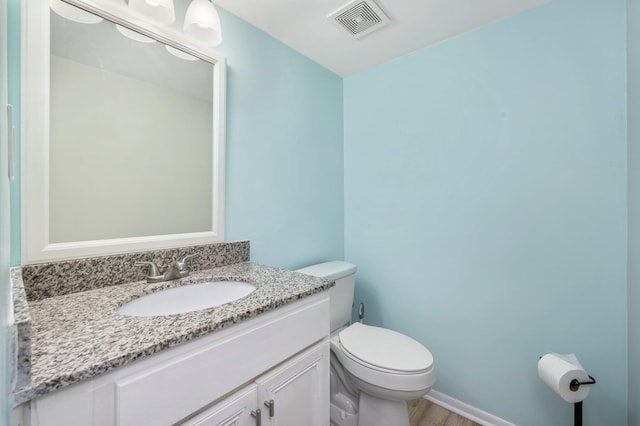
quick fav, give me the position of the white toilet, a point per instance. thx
(374, 371)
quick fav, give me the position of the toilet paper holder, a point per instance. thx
(575, 384)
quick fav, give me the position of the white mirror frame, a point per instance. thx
(36, 246)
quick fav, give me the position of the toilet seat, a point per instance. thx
(385, 350)
(390, 369)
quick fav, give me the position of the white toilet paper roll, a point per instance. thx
(557, 371)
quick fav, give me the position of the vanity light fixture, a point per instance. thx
(180, 54)
(73, 13)
(159, 10)
(203, 23)
(133, 35)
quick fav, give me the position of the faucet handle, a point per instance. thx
(153, 269)
(182, 264)
(189, 257)
(178, 268)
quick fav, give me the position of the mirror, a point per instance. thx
(131, 138)
(147, 116)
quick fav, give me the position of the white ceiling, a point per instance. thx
(302, 25)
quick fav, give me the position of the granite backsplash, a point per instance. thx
(53, 279)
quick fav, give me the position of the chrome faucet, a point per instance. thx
(177, 269)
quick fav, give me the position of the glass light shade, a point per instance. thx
(134, 35)
(73, 13)
(203, 23)
(180, 54)
(160, 10)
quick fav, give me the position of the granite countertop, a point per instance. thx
(80, 335)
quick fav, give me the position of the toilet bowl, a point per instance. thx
(374, 371)
(387, 368)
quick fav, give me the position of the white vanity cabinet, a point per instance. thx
(292, 394)
(281, 355)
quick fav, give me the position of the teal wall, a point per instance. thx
(485, 182)
(284, 178)
(10, 12)
(4, 224)
(633, 137)
(485, 206)
(13, 50)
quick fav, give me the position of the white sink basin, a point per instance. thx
(188, 298)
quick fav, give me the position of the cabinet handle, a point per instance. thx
(258, 415)
(271, 406)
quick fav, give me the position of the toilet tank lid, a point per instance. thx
(330, 270)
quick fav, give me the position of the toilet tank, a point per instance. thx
(341, 295)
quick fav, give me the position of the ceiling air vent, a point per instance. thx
(359, 17)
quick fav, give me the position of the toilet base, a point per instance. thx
(341, 417)
(380, 412)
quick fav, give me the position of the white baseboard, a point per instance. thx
(466, 410)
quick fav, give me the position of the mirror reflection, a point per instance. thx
(131, 131)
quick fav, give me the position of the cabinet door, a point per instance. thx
(232, 411)
(297, 392)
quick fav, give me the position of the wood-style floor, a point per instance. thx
(426, 413)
